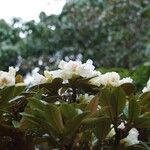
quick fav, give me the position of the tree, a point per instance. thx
(112, 33)
(9, 39)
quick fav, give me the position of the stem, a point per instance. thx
(117, 138)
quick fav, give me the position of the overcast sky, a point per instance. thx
(29, 9)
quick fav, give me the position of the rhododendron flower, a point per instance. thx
(53, 74)
(38, 79)
(125, 80)
(86, 97)
(132, 137)
(71, 68)
(47, 78)
(121, 126)
(7, 78)
(87, 70)
(110, 78)
(147, 88)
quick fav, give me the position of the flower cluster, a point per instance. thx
(7, 78)
(67, 70)
(110, 78)
(71, 68)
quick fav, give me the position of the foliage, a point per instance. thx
(9, 50)
(58, 114)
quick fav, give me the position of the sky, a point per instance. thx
(29, 9)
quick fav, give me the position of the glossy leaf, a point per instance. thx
(68, 111)
(133, 110)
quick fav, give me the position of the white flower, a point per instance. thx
(38, 79)
(86, 97)
(132, 137)
(125, 80)
(121, 126)
(71, 68)
(47, 78)
(110, 78)
(48, 75)
(147, 88)
(7, 78)
(97, 80)
(60, 74)
(53, 74)
(86, 70)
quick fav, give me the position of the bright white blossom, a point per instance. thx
(47, 78)
(110, 78)
(53, 74)
(71, 68)
(121, 126)
(87, 70)
(147, 88)
(125, 80)
(38, 79)
(86, 97)
(7, 78)
(132, 138)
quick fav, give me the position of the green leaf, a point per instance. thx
(19, 88)
(72, 127)
(100, 125)
(96, 122)
(7, 93)
(133, 110)
(68, 111)
(145, 101)
(142, 122)
(53, 115)
(36, 104)
(49, 112)
(118, 101)
(114, 100)
(102, 128)
(105, 97)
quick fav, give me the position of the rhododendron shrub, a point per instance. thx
(74, 107)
